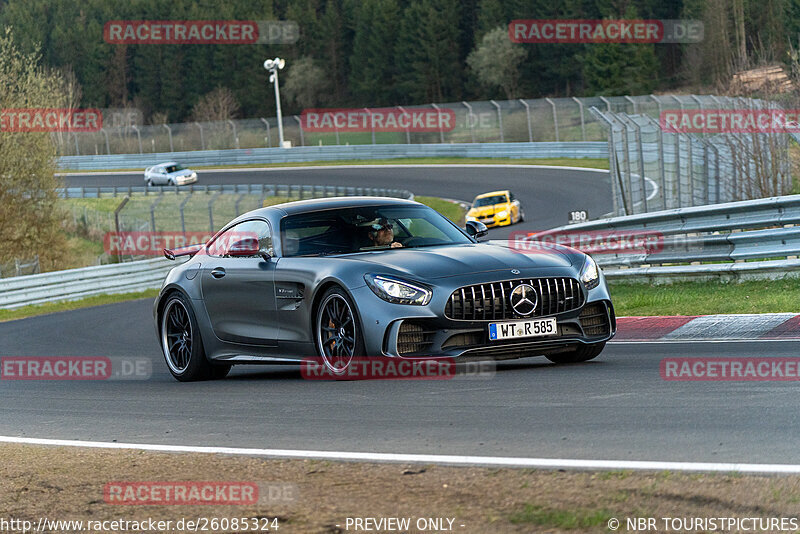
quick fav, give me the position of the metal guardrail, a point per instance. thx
(730, 235)
(590, 149)
(280, 190)
(75, 284)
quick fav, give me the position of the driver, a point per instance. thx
(381, 233)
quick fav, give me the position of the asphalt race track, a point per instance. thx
(614, 408)
(546, 194)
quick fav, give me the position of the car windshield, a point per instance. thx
(361, 229)
(175, 168)
(489, 201)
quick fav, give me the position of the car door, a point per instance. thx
(239, 292)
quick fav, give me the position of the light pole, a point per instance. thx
(273, 66)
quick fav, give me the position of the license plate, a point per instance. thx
(519, 329)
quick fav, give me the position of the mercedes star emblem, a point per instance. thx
(524, 299)
(514, 271)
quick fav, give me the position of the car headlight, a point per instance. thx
(502, 214)
(590, 275)
(398, 291)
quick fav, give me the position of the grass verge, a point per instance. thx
(52, 307)
(68, 483)
(706, 298)
(590, 163)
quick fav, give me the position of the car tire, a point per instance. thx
(581, 354)
(181, 343)
(336, 321)
(521, 216)
(149, 182)
(172, 182)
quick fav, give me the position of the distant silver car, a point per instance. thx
(170, 173)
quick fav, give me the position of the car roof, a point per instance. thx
(319, 204)
(165, 164)
(493, 193)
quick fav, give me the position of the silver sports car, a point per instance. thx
(339, 278)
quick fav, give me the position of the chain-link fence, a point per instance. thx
(522, 120)
(19, 267)
(100, 213)
(655, 166)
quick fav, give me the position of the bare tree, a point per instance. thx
(218, 105)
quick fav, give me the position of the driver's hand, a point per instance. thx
(395, 244)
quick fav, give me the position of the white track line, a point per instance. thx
(329, 167)
(500, 461)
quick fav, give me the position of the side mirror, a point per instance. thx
(244, 248)
(476, 229)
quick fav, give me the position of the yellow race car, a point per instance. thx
(498, 208)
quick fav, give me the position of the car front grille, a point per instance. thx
(490, 302)
(594, 320)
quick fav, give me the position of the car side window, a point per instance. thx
(255, 229)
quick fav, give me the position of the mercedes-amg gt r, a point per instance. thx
(339, 278)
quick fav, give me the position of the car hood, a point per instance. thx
(487, 210)
(456, 260)
(184, 172)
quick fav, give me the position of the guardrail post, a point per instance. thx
(117, 210)
(153, 207)
(183, 205)
(499, 120)
(632, 101)
(555, 116)
(371, 124)
(528, 117)
(300, 126)
(269, 142)
(658, 103)
(138, 136)
(108, 145)
(470, 120)
(606, 102)
(211, 211)
(408, 133)
(235, 135)
(202, 139)
(661, 164)
(583, 123)
(638, 140)
(439, 119)
(169, 133)
(77, 149)
(236, 205)
(617, 189)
